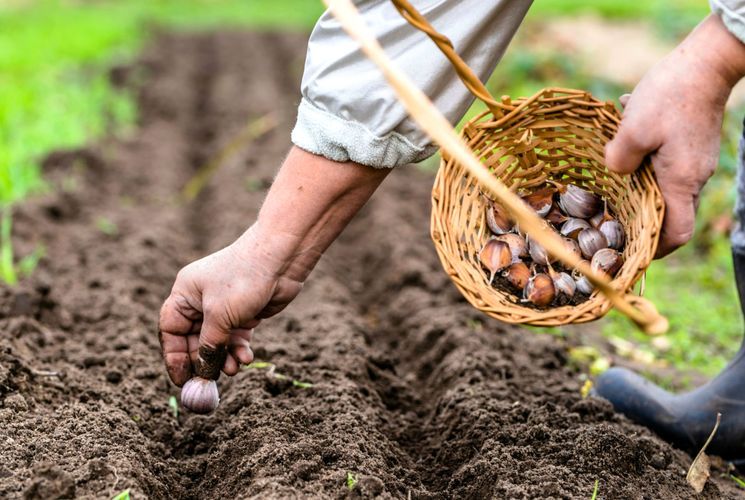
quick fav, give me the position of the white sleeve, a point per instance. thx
(732, 13)
(348, 111)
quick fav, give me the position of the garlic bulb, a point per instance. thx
(590, 241)
(200, 395)
(578, 202)
(614, 233)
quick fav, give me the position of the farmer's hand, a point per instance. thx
(218, 300)
(675, 116)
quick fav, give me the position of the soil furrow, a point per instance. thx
(413, 392)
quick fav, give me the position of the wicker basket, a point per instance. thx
(557, 134)
(560, 135)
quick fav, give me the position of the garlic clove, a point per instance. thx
(584, 285)
(540, 290)
(578, 202)
(495, 256)
(541, 200)
(614, 233)
(607, 261)
(573, 247)
(539, 254)
(497, 218)
(565, 287)
(573, 226)
(555, 216)
(200, 395)
(590, 241)
(517, 274)
(518, 245)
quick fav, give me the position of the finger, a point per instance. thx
(193, 342)
(175, 320)
(677, 227)
(176, 357)
(230, 367)
(177, 315)
(632, 142)
(240, 347)
(624, 99)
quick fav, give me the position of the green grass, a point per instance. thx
(54, 86)
(671, 17)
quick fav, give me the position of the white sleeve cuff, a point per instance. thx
(325, 134)
(732, 13)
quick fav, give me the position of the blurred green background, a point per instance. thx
(55, 93)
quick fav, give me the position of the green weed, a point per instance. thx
(124, 495)
(351, 481)
(173, 405)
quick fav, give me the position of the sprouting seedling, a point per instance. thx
(124, 495)
(595, 490)
(351, 481)
(173, 405)
(258, 365)
(272, 372)
(107, 226)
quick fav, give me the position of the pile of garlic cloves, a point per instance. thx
(521, 266)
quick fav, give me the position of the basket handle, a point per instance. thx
(468, 77)
(436, 125)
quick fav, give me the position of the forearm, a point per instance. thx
(310, 202)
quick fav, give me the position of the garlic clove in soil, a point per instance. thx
(517, 244)
(578, 202)
(590, 241)
(200, 395)
(614, 233)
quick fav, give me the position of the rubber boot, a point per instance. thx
(686, 420)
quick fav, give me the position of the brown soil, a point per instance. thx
(414, 392)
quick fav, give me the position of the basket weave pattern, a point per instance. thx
(560, 135)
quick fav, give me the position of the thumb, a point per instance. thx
(679, 222)
(633, 141)
(214, 338)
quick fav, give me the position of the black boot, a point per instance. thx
(686, 420)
